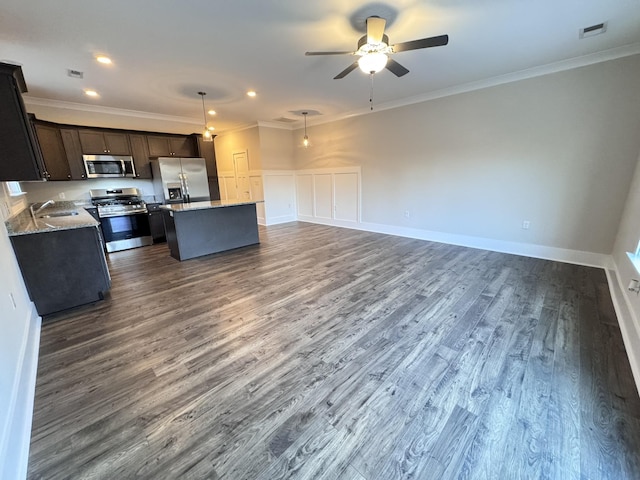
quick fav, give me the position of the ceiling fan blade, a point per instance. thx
(395, 68)
(328, 53)
(375, 29)
(422, 43)
(346, 71)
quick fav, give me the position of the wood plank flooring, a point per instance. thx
(327, 353)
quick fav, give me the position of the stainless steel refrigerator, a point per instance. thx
(180, 180)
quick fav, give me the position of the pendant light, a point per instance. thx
(206, 133)
(305, 140)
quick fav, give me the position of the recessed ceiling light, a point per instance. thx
(211, 129)
(91, 93)
(211, 112)
(251, 93)
(104, 59)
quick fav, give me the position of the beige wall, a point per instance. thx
(276, 149)
(558, 151)
(226, 144)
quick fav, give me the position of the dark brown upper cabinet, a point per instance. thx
(53, 152)
(20, 157)
(140, 152)
(73, 149)
(172, 146)
(94, 142)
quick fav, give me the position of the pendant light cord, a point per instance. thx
(204, 112)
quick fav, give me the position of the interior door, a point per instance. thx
(241, 166)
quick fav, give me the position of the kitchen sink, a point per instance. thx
(58, 214)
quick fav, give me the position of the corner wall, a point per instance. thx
(627, 302)
(19, 342)
(557, 151)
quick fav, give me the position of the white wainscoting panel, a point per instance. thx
(256, 192)
(330, 196)
(346, 196)
(227, 182)
(304, 194)
(323, 196)
(279, 196)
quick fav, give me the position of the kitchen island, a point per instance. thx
(201, 228)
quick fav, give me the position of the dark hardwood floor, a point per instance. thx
(338, 354)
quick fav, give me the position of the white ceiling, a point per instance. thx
(165, 51)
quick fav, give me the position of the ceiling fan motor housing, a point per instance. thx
(363, 41)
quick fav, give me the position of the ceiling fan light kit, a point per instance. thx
(372, 62)
(374, 50)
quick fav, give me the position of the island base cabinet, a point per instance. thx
(62, 269)
(194, 233)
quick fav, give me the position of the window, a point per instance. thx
(14, 189)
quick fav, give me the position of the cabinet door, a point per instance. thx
(95, 142)
(117, 143)
(92, 142)
(207, 151)
(182, 146)
(71, 141)
(140, 152)
(158, 146)
(53, 153)
(21, 158)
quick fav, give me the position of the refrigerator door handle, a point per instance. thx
(186, 187)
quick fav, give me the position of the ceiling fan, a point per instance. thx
(374, 50)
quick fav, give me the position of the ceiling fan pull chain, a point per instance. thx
(371, 92)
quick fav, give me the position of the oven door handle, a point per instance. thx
(123, 214)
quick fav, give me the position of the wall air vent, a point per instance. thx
(75, 73)
(593, 30)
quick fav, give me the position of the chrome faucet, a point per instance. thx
(39, 209)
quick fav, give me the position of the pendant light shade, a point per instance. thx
(305, 140)
(206, 133)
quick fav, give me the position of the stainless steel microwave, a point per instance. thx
(109, 166)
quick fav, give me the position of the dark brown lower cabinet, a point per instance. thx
(63, 268)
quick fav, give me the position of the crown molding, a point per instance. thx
(45, 102)
(569, 64)
(563, 65)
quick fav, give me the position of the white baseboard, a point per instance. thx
(577, 257)
(15, 454)
(627, 321)
(279, 220)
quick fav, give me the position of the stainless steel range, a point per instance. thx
(123, 217)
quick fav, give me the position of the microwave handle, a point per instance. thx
(123, 169)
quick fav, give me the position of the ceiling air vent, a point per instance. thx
(75, 73)
(593, 30)
(285, 120)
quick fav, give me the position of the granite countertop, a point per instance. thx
(24, 224)
(184, 207)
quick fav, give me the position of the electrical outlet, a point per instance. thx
(526, 224)
(62, 196)
(407, 214)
